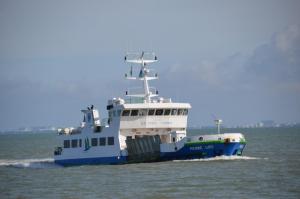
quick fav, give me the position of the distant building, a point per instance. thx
(267, 123)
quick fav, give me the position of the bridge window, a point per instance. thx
(102, 141)
(110, 141)
(94, 141)
(159, 111)
(143, 112)
(151, 111)
(167, 111)
(174, 112)
(134, 112)
(74, 143)
(180, 112)
(66, 143)
(186, 111)
(126, 113)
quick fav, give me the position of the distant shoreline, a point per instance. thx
(189, 129)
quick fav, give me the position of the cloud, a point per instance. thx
(277, 62)
(288, 41)
(264, 84)
(204, 72)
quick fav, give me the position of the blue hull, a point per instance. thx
(197, 151)
(194, 151)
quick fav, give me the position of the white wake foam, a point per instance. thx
(29, 163)
(220, 158)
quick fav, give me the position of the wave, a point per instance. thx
(220, 158)
(30, 163)
(49, 162)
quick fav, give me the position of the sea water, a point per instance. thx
(269, 168)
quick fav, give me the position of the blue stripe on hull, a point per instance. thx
(98, 160)
(204, 151)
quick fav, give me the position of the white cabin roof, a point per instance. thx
(156, 105)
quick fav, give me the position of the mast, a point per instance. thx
(143, 59)
(218, 124)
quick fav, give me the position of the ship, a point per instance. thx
(141, 127)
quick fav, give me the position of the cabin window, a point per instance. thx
(151, 111)
(80, 143)
(185, 112)
(94, 141)
(74, 143)
(126, 113)
(66, 143)
(97, 129)
(110, 141)
(159, 111)
(134, 112)
(167, 112)
(102, 141)
(143, 112)
(180, 112)
(174, 112)
(109, 106)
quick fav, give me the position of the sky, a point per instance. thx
(237, 60)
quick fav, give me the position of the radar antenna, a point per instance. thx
(143, 59)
